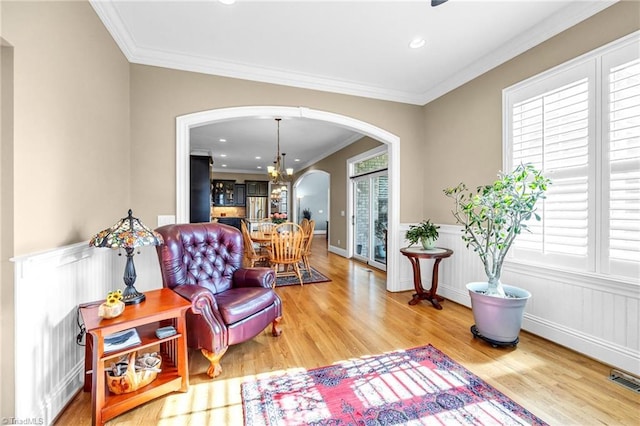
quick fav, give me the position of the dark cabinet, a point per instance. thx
(200, 191)
(257, 188)
(232, 221)
(228, 193)
(223, 192)
(239, 190)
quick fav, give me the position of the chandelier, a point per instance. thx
(278, 173)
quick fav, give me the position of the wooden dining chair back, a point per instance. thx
(304, 224)
(306, 252)
(254, 254)
(286, 250)
(265, 226)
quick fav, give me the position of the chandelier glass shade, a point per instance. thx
(279, 173)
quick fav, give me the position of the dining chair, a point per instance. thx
(265, 226)
(306, 251)
(285, 253)
(304, 224)
(254, 254)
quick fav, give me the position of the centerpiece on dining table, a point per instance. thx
(278, 218)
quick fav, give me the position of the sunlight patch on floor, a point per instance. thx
(213, 401)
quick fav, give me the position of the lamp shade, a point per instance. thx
(129, 232)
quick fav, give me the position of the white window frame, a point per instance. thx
(591, 66)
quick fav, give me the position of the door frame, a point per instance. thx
(186, 122)
(351, 246)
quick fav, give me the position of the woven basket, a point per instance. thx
(133, 380)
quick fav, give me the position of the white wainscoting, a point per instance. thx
(49, 287)
(595, 316)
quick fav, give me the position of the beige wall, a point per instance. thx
(336, 166)
(463, 129)
(66, 147)
(160, 95)
(71, 147)
(6, 231)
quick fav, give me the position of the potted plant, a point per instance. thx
(492, 217)
(426, 233)
(380, 231)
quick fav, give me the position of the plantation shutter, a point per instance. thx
(624, 164)
(551, 131)
(580, 124)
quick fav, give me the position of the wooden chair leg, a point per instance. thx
(214, 358)
(307, 266)
(275, 331)
(296, 268)
(275, 270)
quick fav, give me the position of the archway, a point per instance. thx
(300, 196)
(186, 122)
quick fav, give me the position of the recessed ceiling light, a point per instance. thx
(258, 157)
(227, 1)
(222, 140)
(224, 165)
(417, 43)
(259, 167)
(297, 159)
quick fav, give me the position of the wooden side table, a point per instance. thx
(161, 308)
(414, 254)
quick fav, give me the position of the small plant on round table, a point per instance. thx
(426, 233)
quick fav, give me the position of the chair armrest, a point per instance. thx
(198, 296)
(254, 277)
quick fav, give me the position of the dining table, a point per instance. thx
(264, 238)
(259, 237)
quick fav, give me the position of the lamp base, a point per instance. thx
(130, 296)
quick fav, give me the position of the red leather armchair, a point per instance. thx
(203, 263)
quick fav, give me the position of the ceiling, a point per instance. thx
(352, 47)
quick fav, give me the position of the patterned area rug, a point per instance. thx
(415, 386)
(314, 277)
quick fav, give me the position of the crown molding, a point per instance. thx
(571, 15)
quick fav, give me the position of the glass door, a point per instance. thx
(370, 210)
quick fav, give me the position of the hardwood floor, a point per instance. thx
(353, 316)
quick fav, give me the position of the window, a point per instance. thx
(369, 165)
(580, 123)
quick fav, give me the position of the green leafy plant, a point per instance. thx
(494, 215)
(425, 230)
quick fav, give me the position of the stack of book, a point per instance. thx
(121, 340)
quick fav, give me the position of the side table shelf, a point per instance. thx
(161, 307)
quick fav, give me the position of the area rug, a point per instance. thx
(314, 277)
(414, 386)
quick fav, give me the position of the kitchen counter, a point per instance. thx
(230, 220)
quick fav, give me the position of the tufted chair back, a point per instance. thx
(202, 262)
(201, 254)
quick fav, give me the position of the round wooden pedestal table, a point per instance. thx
(414, 254)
